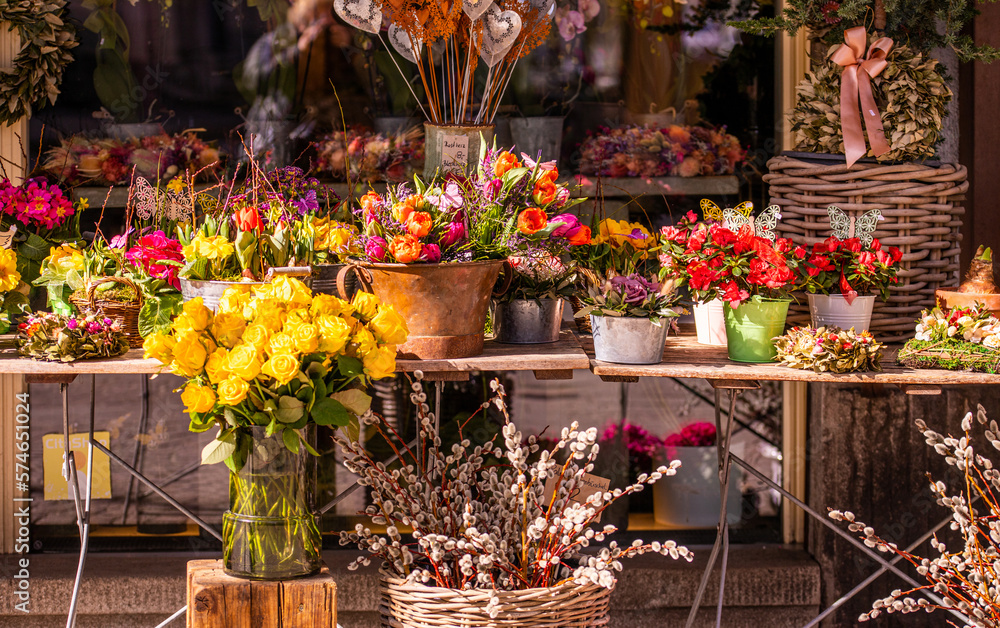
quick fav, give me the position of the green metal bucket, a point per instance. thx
(751, 327)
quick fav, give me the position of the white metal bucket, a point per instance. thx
(833, 310)
(710, 323)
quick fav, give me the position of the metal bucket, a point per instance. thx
(629, 340)
(528, 322)
(390, 126)
(541, 134)
(211, 291)
(833, 310)
(453, 147)
(444, 305)
(324, 280)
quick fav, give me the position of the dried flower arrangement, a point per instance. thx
(482, 525)
(829, 350)
(962, 339)
(370, 156)
(676, 151)
(58, 338)
(964, 580)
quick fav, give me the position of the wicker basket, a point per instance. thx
(922, 215)
(568, 605)
(582, 323)
(127, 314)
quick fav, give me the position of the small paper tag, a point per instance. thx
(7, 237)
(454, 151)
(589, 485)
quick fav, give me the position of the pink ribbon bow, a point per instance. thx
(855, 84)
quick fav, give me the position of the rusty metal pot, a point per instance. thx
(444, 305)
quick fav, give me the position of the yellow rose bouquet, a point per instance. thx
(334, 241)
(276, 356)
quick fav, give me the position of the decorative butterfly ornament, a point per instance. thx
(711, 211)
(763, 224)
(846, 227)
(152, 203)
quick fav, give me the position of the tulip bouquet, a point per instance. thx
(278, 357)
(847, 267)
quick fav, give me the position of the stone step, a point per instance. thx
(766, 585)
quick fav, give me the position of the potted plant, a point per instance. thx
(530, 310)
(456, 130)
(491, 544)
(692, 499)
(630, 317)
(265, 368)
(842, 278)
(435, 249)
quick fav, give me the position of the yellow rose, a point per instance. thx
(159, 347)
(270, 314)
(380, 362)
(389, 327)
(329, 304)
(281, 343)
(281, 367)
(364, 339)
(306, 338)
(195, 317)
(215, 367)
(257, 335)
(233, 300)
(189, 354)
(243, 362)
(290, 291)
(233, 390)
(9, 277)
(228, 328)
(334, 332)
(198, 398)
(365, 304)
(296, 318)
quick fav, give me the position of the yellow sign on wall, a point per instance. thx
(56, 485)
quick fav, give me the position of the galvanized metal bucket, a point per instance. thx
(324, 280)
(528, 321)
(444, 305)
(538, 135)
(453, 147)
(828, 310)
(211, 291)
(629, 340)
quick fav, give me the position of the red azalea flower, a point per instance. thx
(696, 240)
(783, 245)
(800, 252)
(673, 234)
(845, 289)
(853, 245)
(896, 254)
(876, 245)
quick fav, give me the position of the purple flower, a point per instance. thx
(569, 227)
(375, 248)
(307, 203)
(71, 323)
(493, 188)
(430, 253)
(635, 288)
(454, 233)
(121, 241)
(93, 327)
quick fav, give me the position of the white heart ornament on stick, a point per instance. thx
(361, 14)
(475, 8)
(404, 44)
(491, 58)
(500, 29)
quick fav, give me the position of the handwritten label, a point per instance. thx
(589, 485)
(7, 237)
(454, 151)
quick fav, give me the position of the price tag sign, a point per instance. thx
(454, 151)
(589, 485)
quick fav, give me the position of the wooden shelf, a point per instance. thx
(655, 186)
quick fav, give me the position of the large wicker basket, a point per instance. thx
(922, 215)
(127, 314)
(568, 605)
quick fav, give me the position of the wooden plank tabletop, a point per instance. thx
(683, 357)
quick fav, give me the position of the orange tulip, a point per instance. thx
(405, 248)
(580, 237)
(504, 163)
(247, 219)
(418, 224)
(531, 221)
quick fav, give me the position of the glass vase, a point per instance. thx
(271, 530)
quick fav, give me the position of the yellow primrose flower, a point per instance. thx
(380, 362)
(365, 304)
(159, 347)
(282, 367)
(233, 390)
(64, 257)
(243, 362)
(9, 277)
(334, 332)
(215, 367)
(228, 328)
(212, 247)
(389, 327)
(618, 232)
(198, 398)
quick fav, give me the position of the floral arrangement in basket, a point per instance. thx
(675, 151)
(275, 355)
(829, 350)
(80, 159)
(59, 338)
(958, 339)
(508, 206)
(479, 525)
(361, 155)
(961, 578)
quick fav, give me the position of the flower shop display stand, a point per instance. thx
(684, 358)
(216, 599)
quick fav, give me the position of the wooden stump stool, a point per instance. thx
(216, 600)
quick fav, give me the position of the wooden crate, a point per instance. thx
(216, 600)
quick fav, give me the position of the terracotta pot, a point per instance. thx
(950, 298)
(444, 305)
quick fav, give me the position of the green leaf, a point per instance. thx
(327, 411)
(354, 399)
(157, 313)
(272, 427)
(320, 387)
(291, 439)
(290, 409)
(350, 367)
(219, 449)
